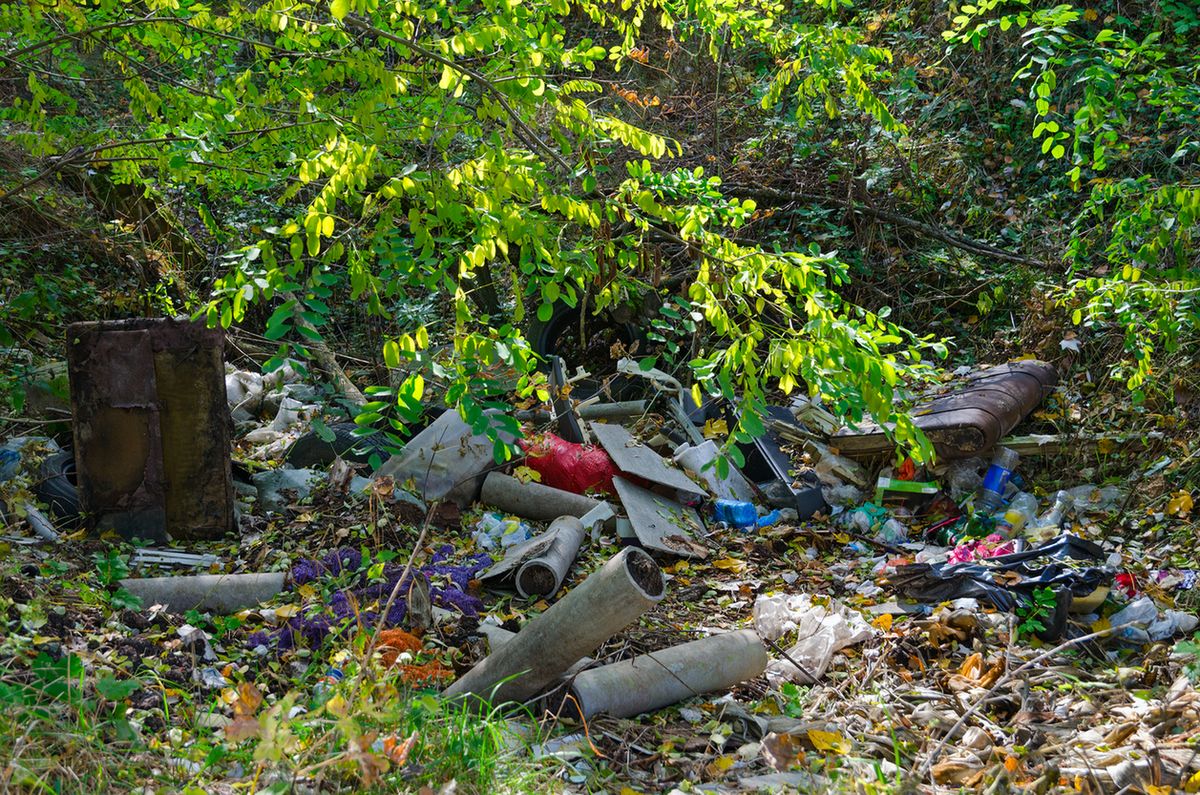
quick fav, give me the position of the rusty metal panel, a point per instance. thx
(152, 428)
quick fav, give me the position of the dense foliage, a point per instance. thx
(410, 150)
(489, 157)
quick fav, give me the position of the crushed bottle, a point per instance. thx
(1047, 526)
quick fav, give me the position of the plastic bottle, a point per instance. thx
(495, 530)
(991, 493)
(1095, 499)
(327, 682)
(1022, 508)
(1048, 524)
(736, 513)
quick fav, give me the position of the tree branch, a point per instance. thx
(954, 239)
(523, 130)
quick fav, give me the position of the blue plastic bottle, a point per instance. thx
(736, 513)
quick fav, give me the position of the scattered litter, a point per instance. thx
(495, 530)
(1068, 564)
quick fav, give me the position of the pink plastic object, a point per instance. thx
(568, 466)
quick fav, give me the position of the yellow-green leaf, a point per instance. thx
(829, 741)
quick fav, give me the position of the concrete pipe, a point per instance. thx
(214, 593)
(532, 500)
(612, 598)
(661, 678)
(544, 574)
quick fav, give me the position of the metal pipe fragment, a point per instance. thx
(543, 575)
(592, 411)
(661, 678)
(533, 500)
(612, 598)
(213, 593)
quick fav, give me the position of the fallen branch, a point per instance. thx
(961, 242)
(327, 361)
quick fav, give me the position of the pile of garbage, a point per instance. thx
(955, 545)
(649, 471)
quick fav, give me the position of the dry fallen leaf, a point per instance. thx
(715, 429)
(244, 725)
(249, 699)
(398, 751)
(527, 475)
(719, 766)
(284, 612)
(1180, 504)
(829, 741)
(883, 622)
(955, 773)
(782, 751)
(730, 564)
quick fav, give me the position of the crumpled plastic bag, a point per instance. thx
(822, 630)
(1139, 622)
(571, 467)
(1065, 562)
(244, 392)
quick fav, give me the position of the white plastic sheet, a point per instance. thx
(821, 630)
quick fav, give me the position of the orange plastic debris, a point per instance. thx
(432, 673)
(394, 642)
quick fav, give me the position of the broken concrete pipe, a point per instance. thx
(39, 524)
(612, 598)
(212, 593)
(659, 679)
(497, 636)
(533, 500)
(543, 575)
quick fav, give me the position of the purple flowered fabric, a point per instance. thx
(447, 588)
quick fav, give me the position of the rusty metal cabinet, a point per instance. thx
(152, 427)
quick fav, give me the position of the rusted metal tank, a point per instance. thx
(152, 427)
(969, 420)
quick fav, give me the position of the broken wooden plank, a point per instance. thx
(1054, 443)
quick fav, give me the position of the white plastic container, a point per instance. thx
(697, 459)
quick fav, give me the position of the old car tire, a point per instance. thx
(555, 337)
(56, 484)
(310, 450)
